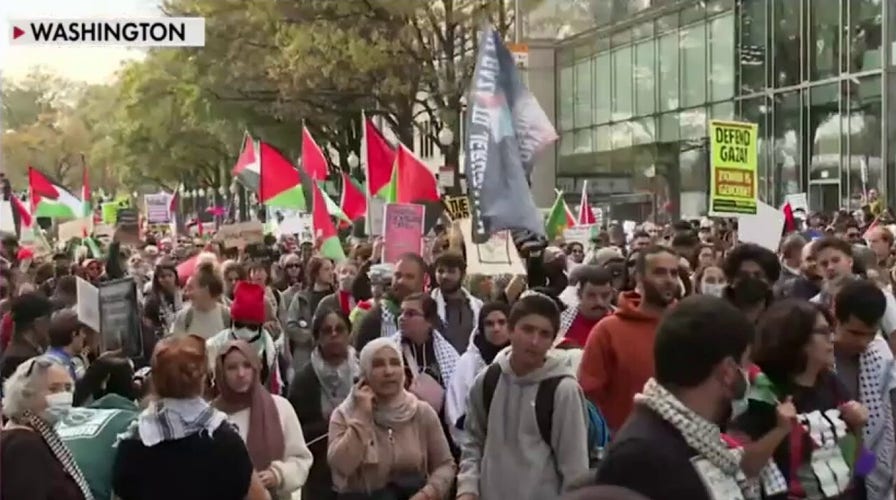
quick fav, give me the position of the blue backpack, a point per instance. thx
(598, 432)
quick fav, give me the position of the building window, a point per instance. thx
(603, 85)
(583, 92)
(622, 83)
(668, 59)
(602, 139)
(582, 140)
(865, 31)
(693, 65)
(756, 111)
(865, 169)
(645, 88)
(787, 145)
(721, 57)
(786, 57)
(752, 48)
(823, 133)
(566, 98)
(823, 40)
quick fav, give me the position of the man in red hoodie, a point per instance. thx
(618, 356)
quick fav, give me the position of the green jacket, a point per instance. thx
(92, 432)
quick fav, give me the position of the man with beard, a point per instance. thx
(458, 310)
(382, 319)
(618, 355)
(594, 292)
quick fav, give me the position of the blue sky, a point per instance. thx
(93, 64)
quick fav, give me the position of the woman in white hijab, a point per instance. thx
(382, 439)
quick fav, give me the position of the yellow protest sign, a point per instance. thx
(733, 176)
(458, 207)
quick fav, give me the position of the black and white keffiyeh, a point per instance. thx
(169, 419)
(700, 434)
(60, 451)
(446, 355)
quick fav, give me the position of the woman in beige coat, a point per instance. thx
(382, 439)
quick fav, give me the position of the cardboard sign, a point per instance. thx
(110, 213)
(127, 226)
(763, 229)
(375, 211)
(120, 325)
(580, 234)
(733, 175)
(73, 229)
(798, 201)
(88, 306)
(496, 256)
(458, 207)
(240, 234)
(402, 230)
(157, 206)
(7, 222)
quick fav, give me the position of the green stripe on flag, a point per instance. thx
(293, 198)
(331, 248)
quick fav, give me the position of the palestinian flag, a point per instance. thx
(559, 218)
(51, 199)
(380, 159)
(313, 160)
(325, 234)
(282, 185)
(248, 169)
(413, 182)
(353, 201)
(24, 214)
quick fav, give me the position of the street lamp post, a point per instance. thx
(446, 139)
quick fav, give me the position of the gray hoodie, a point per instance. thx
(512, 460)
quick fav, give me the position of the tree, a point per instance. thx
(42, 129)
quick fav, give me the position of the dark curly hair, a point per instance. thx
(749, 252)
(783, 332)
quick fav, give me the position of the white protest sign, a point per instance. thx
(579, 234)
(496, 256)
(763, 229)
(88, 306)
(798, 201)
(7, 223)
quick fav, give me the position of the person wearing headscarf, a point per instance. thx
(320, 387)
(182, 448)
(36, 464)
(489, 338)
(383, 440)
(266, 422)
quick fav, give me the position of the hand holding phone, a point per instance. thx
(363, 395)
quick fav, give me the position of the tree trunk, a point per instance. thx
(405, 120)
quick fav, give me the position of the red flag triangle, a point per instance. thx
(354, 203)
(313, 160)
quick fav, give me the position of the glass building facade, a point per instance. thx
(634, 96)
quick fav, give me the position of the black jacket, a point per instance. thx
(304, 395)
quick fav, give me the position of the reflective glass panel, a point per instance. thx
(622, 83)
(786, 55)
(566, 98)
(865, 164)
(583, 93)
(668, 64)
(693, 65)
(823, 42)
(753, 37)
(823, 134)
(721, 56)
(645, 89)
(603, 86)
(787, 145)
(756, 111)
(865, 31)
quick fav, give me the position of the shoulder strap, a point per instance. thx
(544, 406)
(225, 315)
(489, 384)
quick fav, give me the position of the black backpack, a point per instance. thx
(544, 399)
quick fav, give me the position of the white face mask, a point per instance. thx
(346, 282)
(714, 289)
(59, 400)
(246, 334)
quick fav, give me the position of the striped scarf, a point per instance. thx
(60, 451)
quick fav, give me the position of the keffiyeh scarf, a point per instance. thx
(59, 450)
(875, 382)
(335, 381)
(474, 303)
(446, 355)
(169, 419)
(389, 312)
(700, 434)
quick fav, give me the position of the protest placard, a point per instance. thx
(7, 222)
(764, 228)
(458, 207)
(579, 234)
(127, 226)
(110, 213)
(240, 234)
(375, 210)
(72, 229)
(496, 256)
(733, 161)
(88, 306)
(157, 208)
(402, 230)
(120, 325)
